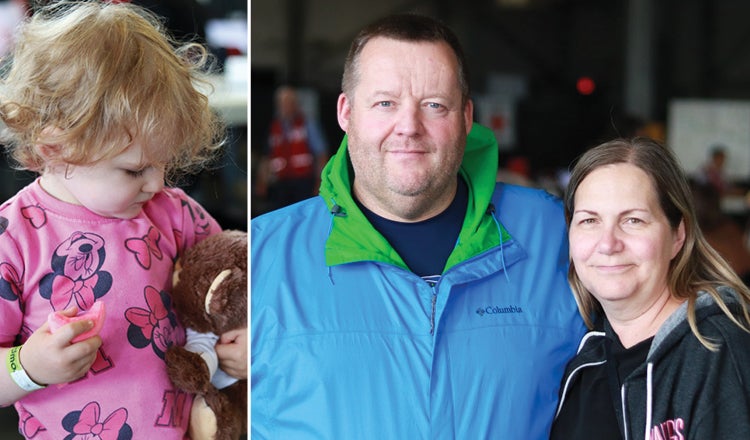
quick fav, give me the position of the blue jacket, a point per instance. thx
(347, 343)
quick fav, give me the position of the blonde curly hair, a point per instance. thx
(92, 77)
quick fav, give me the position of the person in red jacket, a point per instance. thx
(290, 170)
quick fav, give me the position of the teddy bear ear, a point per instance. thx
(215, 285)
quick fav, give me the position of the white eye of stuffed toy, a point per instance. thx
(176, 273)
(215, 285)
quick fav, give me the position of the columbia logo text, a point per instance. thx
(496, 310)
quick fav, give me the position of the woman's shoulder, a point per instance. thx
(721, 327)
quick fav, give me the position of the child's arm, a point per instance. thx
(49, 358)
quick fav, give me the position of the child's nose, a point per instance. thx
(155, 181)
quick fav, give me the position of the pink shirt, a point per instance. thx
(54, 255)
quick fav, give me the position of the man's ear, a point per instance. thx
(343, 111)
(469, 115)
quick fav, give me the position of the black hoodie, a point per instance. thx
(682, 390)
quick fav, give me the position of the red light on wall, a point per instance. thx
(585, 85)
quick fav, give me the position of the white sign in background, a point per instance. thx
(694, 126)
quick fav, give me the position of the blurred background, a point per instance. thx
(222, 190)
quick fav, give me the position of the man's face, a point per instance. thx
(287, 103)
(407, 127)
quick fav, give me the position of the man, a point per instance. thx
(414, 299)
(296, 153)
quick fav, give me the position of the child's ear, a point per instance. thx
(50, 153)
(49, 145)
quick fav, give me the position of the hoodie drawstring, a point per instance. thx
(649, 398)
(491, 212)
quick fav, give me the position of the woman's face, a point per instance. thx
(621, 242)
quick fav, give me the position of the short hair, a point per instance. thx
(100, 75)
(718, 150)
(697, 266)
(405, 27)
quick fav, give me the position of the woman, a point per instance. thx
(669, 353)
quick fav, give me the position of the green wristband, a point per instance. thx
(17, 373)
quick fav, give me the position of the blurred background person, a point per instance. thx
(289, 171)
(712, 172)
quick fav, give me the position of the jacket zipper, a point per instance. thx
(434, 307)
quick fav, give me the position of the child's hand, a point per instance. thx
(231, 350)
(51, 358)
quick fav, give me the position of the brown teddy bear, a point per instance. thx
(210, 296)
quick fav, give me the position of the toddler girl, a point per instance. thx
(103, 106)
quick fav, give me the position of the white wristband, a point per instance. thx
(17, 373)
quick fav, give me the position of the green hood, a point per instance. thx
(352, 237)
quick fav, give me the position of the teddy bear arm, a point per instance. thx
(188, 371)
